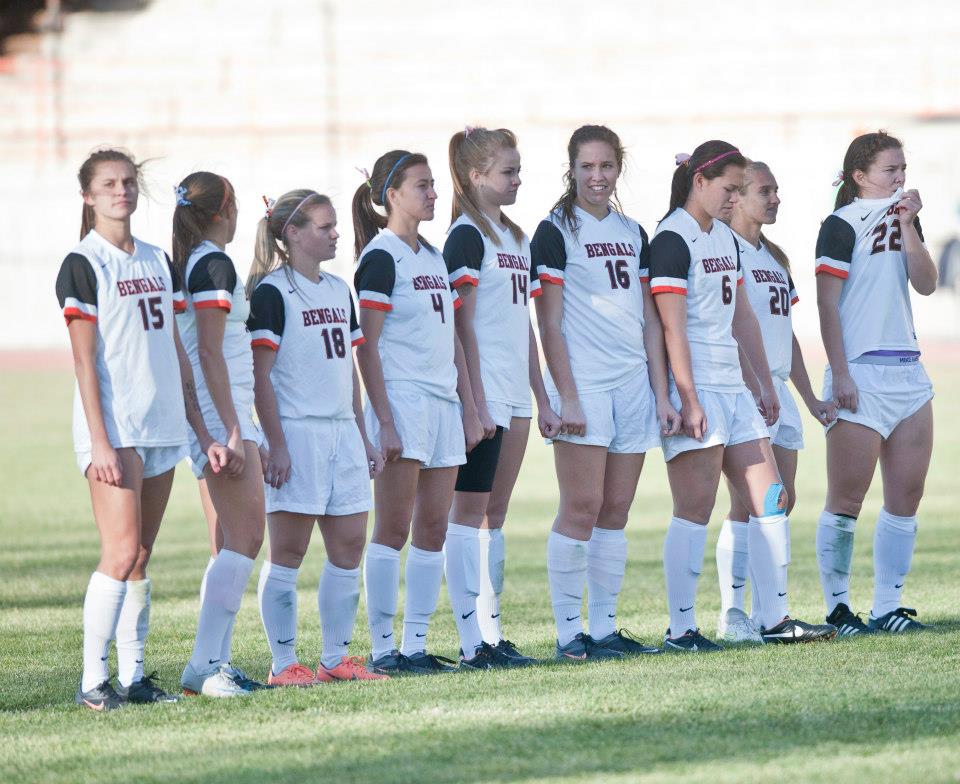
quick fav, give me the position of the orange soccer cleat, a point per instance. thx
(294, 675)
(350, 668)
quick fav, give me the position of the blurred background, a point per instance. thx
(294, 94)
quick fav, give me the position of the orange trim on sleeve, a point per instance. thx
(795, 300)
(265, 343)
(831, 271)
(179, 306)
(69, 314)
(457, 303)
(668, 290)
(465, 279)
(547, 278)
(213, 303)
(359, 341)
(371, 304)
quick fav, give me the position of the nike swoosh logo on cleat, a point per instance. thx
(573, 618)
(739, 586)
(286, 642)
(841, 593)
(420, 635)
(97, 706)
(686, 609)
(467, 615)
(575, 655)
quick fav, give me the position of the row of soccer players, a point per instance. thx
(647, 344)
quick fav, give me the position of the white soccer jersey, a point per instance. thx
(600, 267)
(705, 267)
(312, 327)
(502, 316)
(861, 243)
(772, 297)
(131, 299)
(417, 341)
(211, 281)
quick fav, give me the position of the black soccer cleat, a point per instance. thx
(392, 664)
(100, 698)
(790, 630)
(847, 622)
(624, 642)
(485, 657)
(517, 659)
(583, 647)
(899, 621)
(691, 641)
(145, 690)
(244, 681)
(423, 663)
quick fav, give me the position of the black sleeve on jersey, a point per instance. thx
(836, 240)
(736, 245)
(644, 258)
(463, 252)
(213, 272)
(354, 324)
(267, 312)
(77, 281)
(548, 253)
(916, 223)
(374, 279)
(669, 257)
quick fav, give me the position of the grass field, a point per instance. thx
(884, 709)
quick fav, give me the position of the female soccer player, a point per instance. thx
(769, 287)
(867, 251)
(488, 260)
(420, 412)
(215, 337)
(118, 296)
(302, 327)
(606, 376)
(695, 272)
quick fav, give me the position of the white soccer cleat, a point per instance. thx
(735, 625)
(213, 683)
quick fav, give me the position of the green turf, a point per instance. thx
(886, 709)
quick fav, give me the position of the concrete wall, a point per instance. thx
(284, 95)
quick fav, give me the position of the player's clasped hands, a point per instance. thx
(390, 442)
(824, 411)
(769, 405)
(375, 459)
(845, 392)
(669, 418)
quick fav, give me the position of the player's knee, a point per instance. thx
(119, 561)
(775, 501)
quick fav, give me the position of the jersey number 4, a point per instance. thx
(437, 301)
(880, 234)
(151, 311)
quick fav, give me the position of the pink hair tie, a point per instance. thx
(712, 161)
(681, 158)
(467, 130)
(839, 180)
(366, 176)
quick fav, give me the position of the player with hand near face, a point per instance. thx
(868, 251)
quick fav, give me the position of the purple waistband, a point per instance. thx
(883, 352)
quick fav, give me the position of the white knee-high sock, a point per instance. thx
(101, 610)
(132, 627)
(424, 576)
(381, 580)
(893, 545)
(606, 565)
(492, 558)
(277, 595)
(567, 573)
(338, 596)
(769, 545)
(227, 644)
(834, 554)
(682, 563)
(461, 552)
(226, 582)
(732, 564)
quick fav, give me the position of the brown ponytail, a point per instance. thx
(475, 151)
(862, 152)
(683, 176)
(584, 135)
(86, 173)
(201, 198)
(367, 222)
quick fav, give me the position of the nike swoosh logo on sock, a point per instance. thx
(899, 586)
(348, 642)
(739, 586)
(495, 616)
(782, 594)
(387, 635)
(420, 635)
(286, 642)
(138, 661)
(611, 615)
(573, 618)
(841, 593)
(104, 658)
(686, 609)
(467, 615)
(212, 661)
